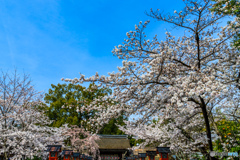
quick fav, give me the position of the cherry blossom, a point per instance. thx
(83, 141)
(174, 86)
(24, 128)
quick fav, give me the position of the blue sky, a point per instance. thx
(51, 39)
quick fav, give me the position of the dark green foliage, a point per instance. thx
(75, 96)
(111, 128)
(35, 158)
(134, 142)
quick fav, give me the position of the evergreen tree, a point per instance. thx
(65, 103)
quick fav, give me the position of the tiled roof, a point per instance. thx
(67, 152)
(54, 148)
(113, 142)
(76, 154)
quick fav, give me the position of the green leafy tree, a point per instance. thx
(229, 139)
(111, 128)
(65, 101)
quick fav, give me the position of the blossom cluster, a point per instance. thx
(173, 88)
(24, 128)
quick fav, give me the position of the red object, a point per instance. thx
(54, 151)
(82, 157)
(67, 154)
(164, 156)
(163, 152)
(151, 155)
(76, 156)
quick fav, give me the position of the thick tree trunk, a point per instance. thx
(208, 129)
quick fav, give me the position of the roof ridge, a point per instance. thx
(112, 136)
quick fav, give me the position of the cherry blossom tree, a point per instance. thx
(83, 141)
(180, 82)
(24, 129)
